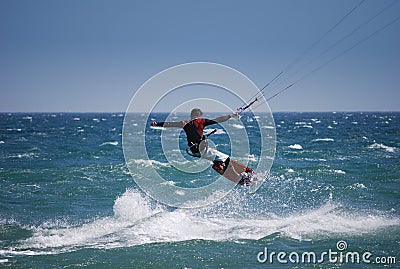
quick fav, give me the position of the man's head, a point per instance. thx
(195, 113)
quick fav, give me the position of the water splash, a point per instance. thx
(137, 220)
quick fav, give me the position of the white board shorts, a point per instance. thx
(212, 155)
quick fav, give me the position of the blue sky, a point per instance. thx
(93, 55)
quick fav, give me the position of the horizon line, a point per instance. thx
(188, 112)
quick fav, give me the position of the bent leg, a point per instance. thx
(230, 169)
(227, 170)
(219, 167)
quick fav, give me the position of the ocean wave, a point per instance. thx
(29, 155)
(267, 127)
(112, 143)
(238, 126)
(219, 131)
(14, 129)
(356, 186)
(323, 140)
(338, 171)
(296, 146)
(382, 146)
(137, 220)
(316, 120)
(148, 163)
(252, 158)
(304, 126)
(27, 118)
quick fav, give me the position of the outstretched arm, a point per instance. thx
(178, 124)
(225, 118)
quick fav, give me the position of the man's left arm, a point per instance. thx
(225, 118)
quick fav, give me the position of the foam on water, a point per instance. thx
(323, 140)
(357, 186)
(158, 164)
(338, 171)
(267, 127)
(29, 155)
(296, 146)
(219, 131)
(382, 146)
(112, 143)
(137, 220)
(238, 126)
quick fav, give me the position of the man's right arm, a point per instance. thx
(177, 124)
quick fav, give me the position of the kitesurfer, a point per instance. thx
(197, 143)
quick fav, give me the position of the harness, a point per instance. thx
(202, 142)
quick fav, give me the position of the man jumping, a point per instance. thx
(198, 145)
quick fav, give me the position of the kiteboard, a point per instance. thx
(244, 175)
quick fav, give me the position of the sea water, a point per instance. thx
(68, 199)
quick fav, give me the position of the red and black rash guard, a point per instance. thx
(193, 129)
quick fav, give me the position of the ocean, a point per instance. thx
(68, 199)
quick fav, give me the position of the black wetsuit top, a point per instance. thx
(193, 129)
(194, 132)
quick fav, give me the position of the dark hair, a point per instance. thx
(195, 113)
